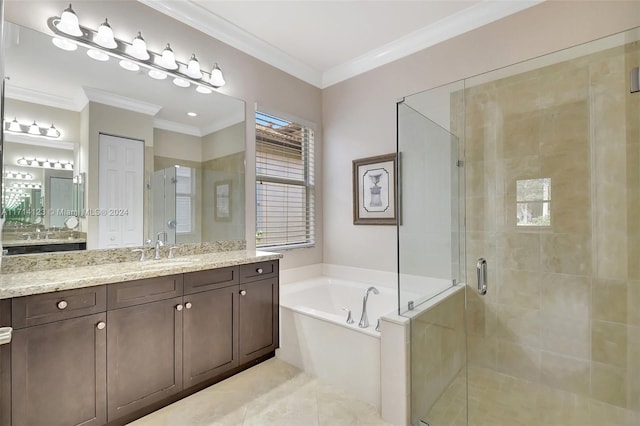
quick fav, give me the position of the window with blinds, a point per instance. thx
(284, 183)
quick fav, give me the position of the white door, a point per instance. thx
(120, 192)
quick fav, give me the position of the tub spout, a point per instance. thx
(364, 320)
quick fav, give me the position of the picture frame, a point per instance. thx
(222, 201)
(374, 190)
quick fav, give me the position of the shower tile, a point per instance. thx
(520, 250)
(564, 372)
(609, 384)
(564, 86)
(609, 343)
(481, 214)
(520, 289)
(565, 129)
(566, 295)
(482, 318)
(518, 325)
(518, 360)
(610, 300)
(566, 336)
(521, 134)
(481, 178)
(482, 351)
(633, 303)
(566, 253)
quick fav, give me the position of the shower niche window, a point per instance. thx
(533, 202)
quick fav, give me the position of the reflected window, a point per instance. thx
(533, 202)
(185, 194)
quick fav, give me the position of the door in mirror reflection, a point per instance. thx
(121, 192)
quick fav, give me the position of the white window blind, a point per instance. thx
(284, 183)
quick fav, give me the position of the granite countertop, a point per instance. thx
(46, 281)
(42, 242)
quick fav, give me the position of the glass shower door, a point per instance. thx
(552, 200)
(429, 266)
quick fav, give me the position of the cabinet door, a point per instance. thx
(258, 319)
(210, 342)
(144, 357)
(58, 373)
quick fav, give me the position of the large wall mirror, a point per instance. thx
(106, 134)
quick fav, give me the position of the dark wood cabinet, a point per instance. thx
(58, 373)
(258, 319)
(112, 353)
(210, 339)
(144, 355)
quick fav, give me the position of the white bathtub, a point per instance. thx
(315, 337)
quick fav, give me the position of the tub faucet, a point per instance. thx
(364, 320)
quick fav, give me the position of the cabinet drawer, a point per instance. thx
(148, 290)
(39, 309)
(258, 271)
(195, 282)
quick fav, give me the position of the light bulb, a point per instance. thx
(14, 126)
(138, 48)
(193, 68)
(168, 59)
(68, 23)
(217, 80)
(34, 129)
(64, 44)
(129, 66)
(104, 37)
(157, 75)
(181, 82)
(97, 55)
(204, 90)
(52, 132)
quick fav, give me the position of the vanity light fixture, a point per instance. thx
(18, 175)
(68, 23)
(104, 37)
(26, 185)
(44, 163)
(31, 129)
(101, 45)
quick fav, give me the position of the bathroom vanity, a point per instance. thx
(110, 349)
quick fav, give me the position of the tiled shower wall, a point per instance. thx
(563, 306)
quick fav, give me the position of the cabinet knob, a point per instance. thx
(62, 304)
(179, 308)
(101, 325)
(259, 270)
(243, 292)
(188, 305)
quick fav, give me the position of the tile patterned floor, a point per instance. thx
(271, 393)
(497, 399)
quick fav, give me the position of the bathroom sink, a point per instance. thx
(167, 263)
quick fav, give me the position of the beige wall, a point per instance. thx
(227, 141)
(360, 118)
(176, 145)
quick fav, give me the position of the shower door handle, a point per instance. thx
(481, 268)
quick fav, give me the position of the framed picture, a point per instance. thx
(222, 201)
(374, 190)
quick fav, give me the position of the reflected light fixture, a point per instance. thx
(192, 114)
(104, 37)
(158, 75)
(44, 163)
(64, 44)
(138, 48)
(32, 129)
(18, 175)
(101, 45)
(129, 66)
(68, 23)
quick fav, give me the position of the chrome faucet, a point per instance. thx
(159, 243)
(364, 320)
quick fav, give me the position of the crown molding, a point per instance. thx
(172, 126)
(129, 104)
(209, 23)
(452, 26)
(47, 99)
(466, 20)
(223, 123)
